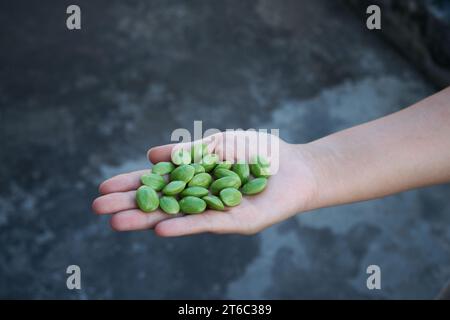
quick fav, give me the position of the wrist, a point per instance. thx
(319, 163)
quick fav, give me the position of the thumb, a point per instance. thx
(164, 152)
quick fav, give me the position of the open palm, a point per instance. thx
(287, 192)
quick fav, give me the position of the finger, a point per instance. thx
(122, 182)
(217, 222)
(137, 220)
(114, 202)
(160, 153)
(164, 152)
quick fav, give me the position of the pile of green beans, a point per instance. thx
(196, 180)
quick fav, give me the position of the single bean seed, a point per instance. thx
(181, 156)
(220, 173)
(169, 205)
(201, 180)
(195, 192)
(209, 161)
(231, 197)
(242, 170)
(173, 188)
(153, 180)
(224, 165)
(192, 205)
(184, 173)
(163, 168)
(254, 186)
(225, 182)
(259, 172)
(198, 168)
(214, 203)
(147, 199)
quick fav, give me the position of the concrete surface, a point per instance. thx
(78, 107)
(420, 30)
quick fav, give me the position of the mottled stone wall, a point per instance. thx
(420, 29)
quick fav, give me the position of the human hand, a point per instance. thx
(289, 191)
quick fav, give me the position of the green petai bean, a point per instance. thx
(173, 188)
(260, 167)
(242, 170)
(209, 161)
(201, 180)
(184, 173)
(147, 199)
(195, 192)
(231, 197)
(220, 173)
(169, 204)
(224, 165)
(225, 182)
(192, 205)
(198, 168)
(163, 168)
(254, 186)
(214, 203)
(181, 156)
(153, 180)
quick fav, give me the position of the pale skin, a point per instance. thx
(402, 151)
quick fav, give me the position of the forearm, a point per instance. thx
(405, 150)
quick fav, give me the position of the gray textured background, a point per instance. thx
(78, 107)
